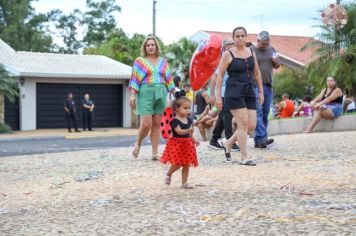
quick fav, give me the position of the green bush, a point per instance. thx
(293, 82)
(5, 129)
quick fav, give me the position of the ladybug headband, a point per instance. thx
(181, 93)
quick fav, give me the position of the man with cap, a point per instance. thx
(224, 121)
(267, 60)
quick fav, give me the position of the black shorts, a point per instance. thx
(240, 96)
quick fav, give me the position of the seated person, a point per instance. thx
(202, 99)
(327, 105)
(207, 119)
(285, 108)
(349, 104)
(304, 109)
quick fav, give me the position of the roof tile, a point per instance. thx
(289, 46)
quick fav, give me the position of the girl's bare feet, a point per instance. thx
(167, 180)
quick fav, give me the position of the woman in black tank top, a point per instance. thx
(327, 105)
(241, 64)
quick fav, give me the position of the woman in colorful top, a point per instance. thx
(151, 79)
(327, 105)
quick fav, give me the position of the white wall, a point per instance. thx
(28, 98)
(28, 105)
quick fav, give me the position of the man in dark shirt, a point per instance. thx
(70, 111)
(88, 107)
(267, 60)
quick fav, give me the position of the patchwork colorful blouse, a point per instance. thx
(144, 72)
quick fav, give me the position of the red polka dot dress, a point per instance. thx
(180, 149)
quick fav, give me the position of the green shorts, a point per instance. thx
(151, 99)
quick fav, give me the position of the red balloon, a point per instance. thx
(205, 61)
(165, 126)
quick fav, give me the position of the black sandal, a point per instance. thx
(227, 154)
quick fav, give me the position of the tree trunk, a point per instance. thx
(2, 108)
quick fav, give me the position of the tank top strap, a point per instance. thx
(231, 54)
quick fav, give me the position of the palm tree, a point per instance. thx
(179, 56)
(336, 53)
(8, 85)
(8, 88)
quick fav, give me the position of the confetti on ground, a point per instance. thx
(296, 188)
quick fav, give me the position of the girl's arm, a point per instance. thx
(196, 141)
(181, 131)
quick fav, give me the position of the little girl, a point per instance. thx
(180, 149)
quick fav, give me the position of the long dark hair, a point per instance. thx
(239, 28)
(333, 88)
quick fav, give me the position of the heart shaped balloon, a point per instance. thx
(205, 61)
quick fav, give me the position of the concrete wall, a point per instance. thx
(28, 98)
(298, 125)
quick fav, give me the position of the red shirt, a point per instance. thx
(288, 110)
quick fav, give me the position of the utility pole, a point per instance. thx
(154, 18)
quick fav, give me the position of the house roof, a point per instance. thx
(33, 64)
(287, 46)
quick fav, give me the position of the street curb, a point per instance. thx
(94, 136)
(31, 138)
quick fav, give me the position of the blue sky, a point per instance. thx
(182, 18)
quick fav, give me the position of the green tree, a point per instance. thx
(8, 88)
(336, 54)
(21, 28)
(293, 82)
(99, 21)
(98, 26)
(179, 56)
(67, 29)
(8, 85)
(119, 47)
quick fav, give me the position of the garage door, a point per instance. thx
(12, 114)
(51, 97)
